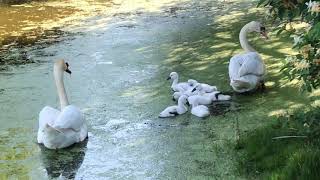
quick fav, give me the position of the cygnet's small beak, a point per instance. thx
(188, 103)
(173, 99)
(193, 90)
(169, 78)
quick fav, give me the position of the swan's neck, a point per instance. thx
(181, 105)
(58, 76)
(175, 81)
(244, 41)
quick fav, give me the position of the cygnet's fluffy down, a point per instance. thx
(200, 111)
(206, 87)
(176, 86)
(175, 110)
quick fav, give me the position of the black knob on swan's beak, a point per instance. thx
(68, 70)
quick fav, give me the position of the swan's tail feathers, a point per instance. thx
(84, 132)
(50, 128)
(237, 84)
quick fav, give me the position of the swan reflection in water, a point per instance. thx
(63, 162)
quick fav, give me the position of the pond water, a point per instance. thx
(120, 61)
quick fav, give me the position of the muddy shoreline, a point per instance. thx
(27, 24)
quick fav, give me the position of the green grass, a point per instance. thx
(291, 158)
(204, 55)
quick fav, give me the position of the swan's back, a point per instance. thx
(244, 64)
(252, 64)
(54, 139)
(70, 118)
(48, 115)
(246, 71)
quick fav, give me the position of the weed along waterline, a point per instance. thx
(120, 54)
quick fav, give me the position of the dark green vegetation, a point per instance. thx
(286, 149)
(303, 18)
(288, 146)
(262, 157)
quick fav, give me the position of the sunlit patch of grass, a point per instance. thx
(204, 55)
(213, 48)
(279, 112)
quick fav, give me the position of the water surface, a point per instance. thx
(120, 61)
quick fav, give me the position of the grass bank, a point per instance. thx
(203, 54)
(287, 149)
(266, 120)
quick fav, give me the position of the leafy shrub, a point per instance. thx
(304, 65)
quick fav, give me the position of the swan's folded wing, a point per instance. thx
(83, 132)
(47, 116)
(234, 66)
(253, 64)
(70, 118)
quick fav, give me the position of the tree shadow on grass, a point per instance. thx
(201, 46)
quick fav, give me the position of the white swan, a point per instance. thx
(194, 89)
(207, 98)
(200, 111)
(175, 110)
(197, 109)
(206, 87)
(247, 71)
(189, 92)
(198, 90)
(199, 100)
(176, 95)
(177, 86)
(60, 129)
(218, 96)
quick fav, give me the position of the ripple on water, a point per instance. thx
(16, 147)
